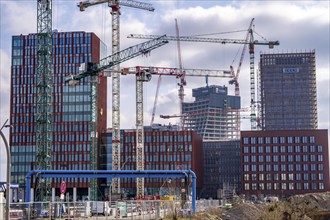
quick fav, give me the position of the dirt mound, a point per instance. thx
(244, 211)
(310, 206)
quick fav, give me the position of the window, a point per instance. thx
(254, 186)
(275, 149)
(306, 176)
(268, 176)
(312, 139)
(275, 158)
(319, 148)
(298, 176)
(260, 140)
(246, 140)
(261, 158)
(267, 149)
(253, 159)
(267, 140)
(289, 149)
(304, 139)
(296, 140)
(305, 167)
(320, 176)
(253, 140)
(275, 167)
(320, 158)
(282, 149)
(283, 167)
(282, 140)
(246, 149)
(306, 187)
(298, 167)
(290, 176)
(283, 158)
(260, 149)
(297, 149)
(269, 186)
(283, 186)
(253, 149)
(246, 168)
(261, 168)
(283, 176)
(305, 149)
(312, 148)
(247, 186)
(246, 159)
(246, 177)
(321, 185)
(289, 140)
(290, 158)
(297, 158)
(274, 140)
(254, 177)
(291, 186)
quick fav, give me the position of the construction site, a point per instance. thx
(61, 135)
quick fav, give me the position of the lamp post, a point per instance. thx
(8, 170)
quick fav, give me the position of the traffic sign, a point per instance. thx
(63, 187)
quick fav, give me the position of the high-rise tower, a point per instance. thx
(288, 91)
(212, 115)
(71, 106)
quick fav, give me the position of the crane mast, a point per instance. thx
(248, 41)
(182, 81)
(235, 78)
(44, 77)
(115, 14)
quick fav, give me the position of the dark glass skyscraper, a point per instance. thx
(71, 109)
(288, 91)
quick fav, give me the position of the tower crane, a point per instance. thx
(115, 13)
(143, 74)
(251, 42)
(44, 72)
(234, 81)
(93, 70)
(182, 81)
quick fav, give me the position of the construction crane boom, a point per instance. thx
(129, 3)
(93, 69)
(115, 14)
(44, 86)
(177, 72)
(271, 44)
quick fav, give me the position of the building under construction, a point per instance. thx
(288, 91)
(213, 114)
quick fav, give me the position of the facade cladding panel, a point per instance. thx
(213, 114)
(71, 106)
(288, 91)
(222, 174)
(165, 149)
(284, 163)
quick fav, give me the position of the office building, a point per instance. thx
(71, 109)
(222, 176)
(288, 91)
(165, 147)
(213, 114)
(284, 163)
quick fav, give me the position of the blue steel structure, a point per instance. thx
(113, 174)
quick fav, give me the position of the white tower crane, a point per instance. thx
(251, 42)
(115, 13)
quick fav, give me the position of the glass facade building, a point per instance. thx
(222, 176)
(71, 107)
(288, 91)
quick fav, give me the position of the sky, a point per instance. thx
(300, 26)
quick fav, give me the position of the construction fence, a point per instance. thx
(130, 209)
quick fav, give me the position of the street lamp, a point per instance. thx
(8, 169)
